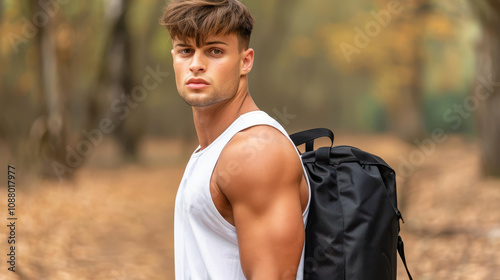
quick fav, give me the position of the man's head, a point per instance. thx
(211, 57)
(200, 19)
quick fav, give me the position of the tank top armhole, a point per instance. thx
(264, 120)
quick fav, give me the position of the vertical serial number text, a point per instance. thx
(11, 218)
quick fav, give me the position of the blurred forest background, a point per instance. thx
(90, 117)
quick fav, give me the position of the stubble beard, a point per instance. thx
(201, 99)
(213, 97)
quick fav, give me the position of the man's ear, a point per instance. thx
(172, 52)
(248, 56)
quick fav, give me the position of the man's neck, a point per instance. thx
(210, 122)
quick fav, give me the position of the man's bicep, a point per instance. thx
(264, 194)
(268, 219)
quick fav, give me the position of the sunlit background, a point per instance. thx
(92, 122)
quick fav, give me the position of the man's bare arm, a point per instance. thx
(263, 191)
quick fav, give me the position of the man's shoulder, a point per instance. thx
(260, 141)
(258, 155)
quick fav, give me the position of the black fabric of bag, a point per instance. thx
(352, 231)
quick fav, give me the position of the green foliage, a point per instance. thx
(440, 112)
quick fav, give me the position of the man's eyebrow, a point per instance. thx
(182, 45)
(216, 43)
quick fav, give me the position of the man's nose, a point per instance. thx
(198, 63)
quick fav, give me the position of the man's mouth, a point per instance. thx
(197, 83)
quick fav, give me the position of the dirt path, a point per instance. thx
(114, 221)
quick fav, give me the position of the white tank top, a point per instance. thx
(206, 246)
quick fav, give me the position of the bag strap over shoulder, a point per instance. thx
(401, 251)
(308, 137)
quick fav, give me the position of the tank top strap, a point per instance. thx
(245, 121)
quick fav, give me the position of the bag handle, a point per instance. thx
(308, 137)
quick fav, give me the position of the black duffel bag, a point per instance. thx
(352, 232)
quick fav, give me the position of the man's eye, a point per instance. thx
(216, 51)
(185, 51)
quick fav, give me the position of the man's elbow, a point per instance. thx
(290, 274)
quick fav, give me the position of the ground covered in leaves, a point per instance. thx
(114, 220)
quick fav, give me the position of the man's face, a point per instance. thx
(210, 74)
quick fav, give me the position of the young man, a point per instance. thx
(242, 204)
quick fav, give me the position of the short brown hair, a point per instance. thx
(199, 19)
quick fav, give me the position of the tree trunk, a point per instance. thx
(270, 46)
(120, 66)
(487, 91)
(115, 78)
(53, 145)
(406, 113)
(488, 114)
